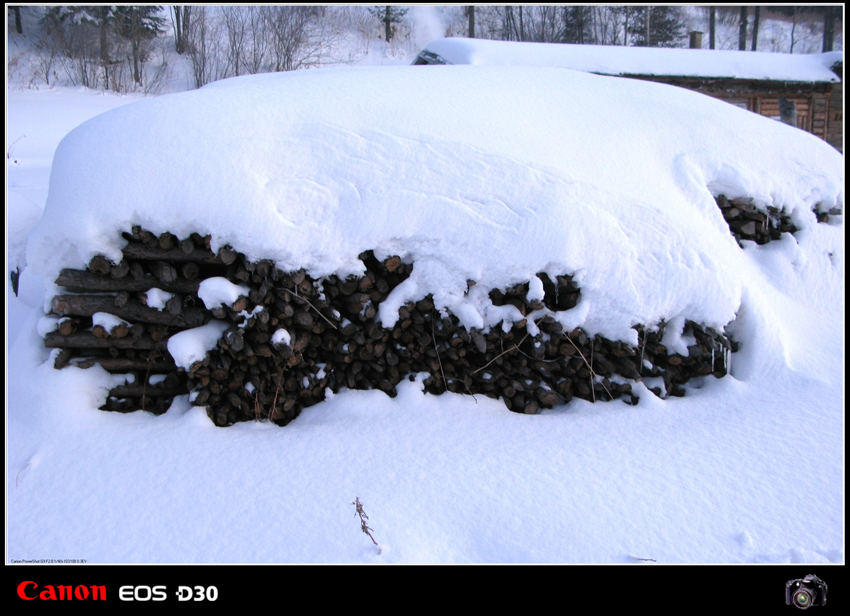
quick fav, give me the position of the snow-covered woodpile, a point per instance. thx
(289, 337)
(747, 222)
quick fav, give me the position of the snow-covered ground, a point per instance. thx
(618, 189)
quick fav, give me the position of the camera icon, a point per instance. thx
(805, 593)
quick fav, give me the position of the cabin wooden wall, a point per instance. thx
(835, 112)
(813, 112)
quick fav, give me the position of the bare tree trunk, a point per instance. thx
(18, 27)
(187, 15)
(793, 27)
(197, 45)
(648, 16)
(136, 46)
(742, 30)
(178, 35)
(828, 28)
(510, 25)
(712, 23)
(104, 49)
(626, 29)
(388, 25)
(756, 28)
(470, 11)
(137, 73)
(521, 27)
(181, 15)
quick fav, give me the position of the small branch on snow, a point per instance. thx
(363, 518)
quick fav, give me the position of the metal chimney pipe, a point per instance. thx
(696, 40)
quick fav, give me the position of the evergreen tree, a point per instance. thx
(666, 26)
(577, 26)
(57, 17)
(78, 33)
(95, 40)
(139, 25)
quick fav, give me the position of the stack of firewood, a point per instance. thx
(749, 223)
(746, 222)
(291, 337)
(824, 214)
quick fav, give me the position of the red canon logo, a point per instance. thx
(29, 590)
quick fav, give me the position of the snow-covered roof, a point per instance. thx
(618, 60)
(489, 174)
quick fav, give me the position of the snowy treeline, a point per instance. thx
(236, 40)
(596, 25)
(136, 48)
(785, 29)
(132, 48)
(777, 29)
(106, 47)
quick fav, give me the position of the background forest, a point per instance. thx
(143, 48)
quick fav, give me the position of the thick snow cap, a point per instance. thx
(618, 60)
(489, 174)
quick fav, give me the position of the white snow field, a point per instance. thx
(470, 172)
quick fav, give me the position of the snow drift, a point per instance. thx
(489, 174)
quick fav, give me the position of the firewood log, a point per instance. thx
(120, 270)
(100, 265)
(166, 240)
(86, 282)
(122, 365)
(190, 271)
(132, 310)
(144, 252)
(163, 272)
(89, 340)
(139, 389)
